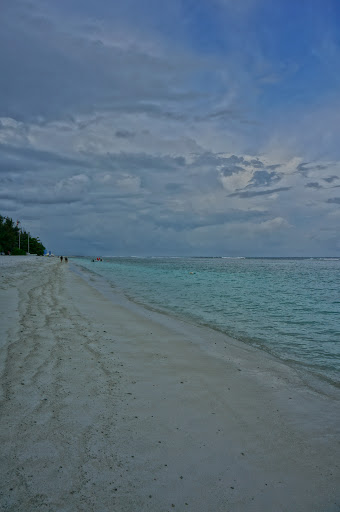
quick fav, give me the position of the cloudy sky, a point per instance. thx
(182, 127)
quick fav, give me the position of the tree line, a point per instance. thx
(9, 239)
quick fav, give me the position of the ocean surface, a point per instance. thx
(289, 307)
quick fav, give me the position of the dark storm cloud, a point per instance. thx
(223, 114)
(273, 167)
(264, 178)
(254, 163)
(330, 179)
(171, 220)
(227, 165)
(106, 122)
(124, 134)
(313, 184)
(215, 159)
(206, 159)
(135, 162)
(333, 200)
(226, 114)
(248, 193)
(302, 168)
(48, 70)
(51, 200)
(28, 156)
(234, 160)
(39, 198)
(10, 165)
(229, 170)
(6, 179)
(174, 187)
(305, 167)
(10, 207)
(16, 159)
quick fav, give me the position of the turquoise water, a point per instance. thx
(289, 307)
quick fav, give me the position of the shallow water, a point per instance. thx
(289, 307)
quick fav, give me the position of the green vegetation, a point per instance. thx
(18, 252)
(9, 239)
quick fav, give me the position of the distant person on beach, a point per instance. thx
(61, 258)
(66, 259)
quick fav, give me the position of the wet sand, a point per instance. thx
(107, 406)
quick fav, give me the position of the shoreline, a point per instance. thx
(318, 382)
(109, 406)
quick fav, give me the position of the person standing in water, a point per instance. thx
(61, 259)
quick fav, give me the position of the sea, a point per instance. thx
(289, 307)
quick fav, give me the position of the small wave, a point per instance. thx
(233, 257)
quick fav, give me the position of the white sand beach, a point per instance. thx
(110, 407)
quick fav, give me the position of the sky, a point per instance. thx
(182, 127)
